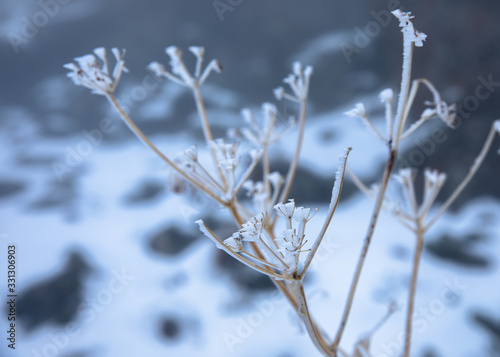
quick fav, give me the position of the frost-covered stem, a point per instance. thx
(293, 167)
(266, 170)
(366, 244)
(411, 97)
(472, 171)
(414, 127)
(372, 127)
(208, 176)
(245, 177)
(140, 135)
(413, 287)
(409, 38)
(303, 312)
(200, 106)
(336, 191)
(410, 192)
(207, 132)
(389, 119)
(401, 113)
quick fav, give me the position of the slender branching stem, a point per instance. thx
(399, 123)
(475, 166)
(266, 170)
(328, 219)
(413, 288)
(143, 138)
(402, 216)
(403, 107)
(303, 311)
(366, 244)
(207, 132)
(293, 166)
(374, 129)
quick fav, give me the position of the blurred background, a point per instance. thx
(109, 261)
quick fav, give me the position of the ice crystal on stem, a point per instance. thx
(408, 30)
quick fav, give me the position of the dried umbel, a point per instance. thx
(280, 251)
(92, 71)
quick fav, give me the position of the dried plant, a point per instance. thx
(285, 251)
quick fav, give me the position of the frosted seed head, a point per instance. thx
(278, 93)
(198, 51)
(358, 111)
(255, 154)
(173, 52)
(275, 178)
(118, 55)
(297, 68)
(285, 209)
(157, 68)
(302, 214)
(216, 66)
(269, 109)
(308, 71)
(497, 126)
(387, 95)
(234, 242)
(434, 177)
(100, 52)
(405, 176)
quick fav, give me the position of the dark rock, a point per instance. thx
(488, 323)
(172, 240)
(60, 195)
(492, 327)
(307, 186)
(35, 160)
(244, 277)
(458, 251)
(9, 188)
(146, 191)
(175, 327)
(55, 300)
(170, 328)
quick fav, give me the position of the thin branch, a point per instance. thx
(293, 167)
(401, 215)
(336, 191)
(413, 289)
(140, 135)
(366, 244)
(200, 106)
(475, 166)
(303, 311)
